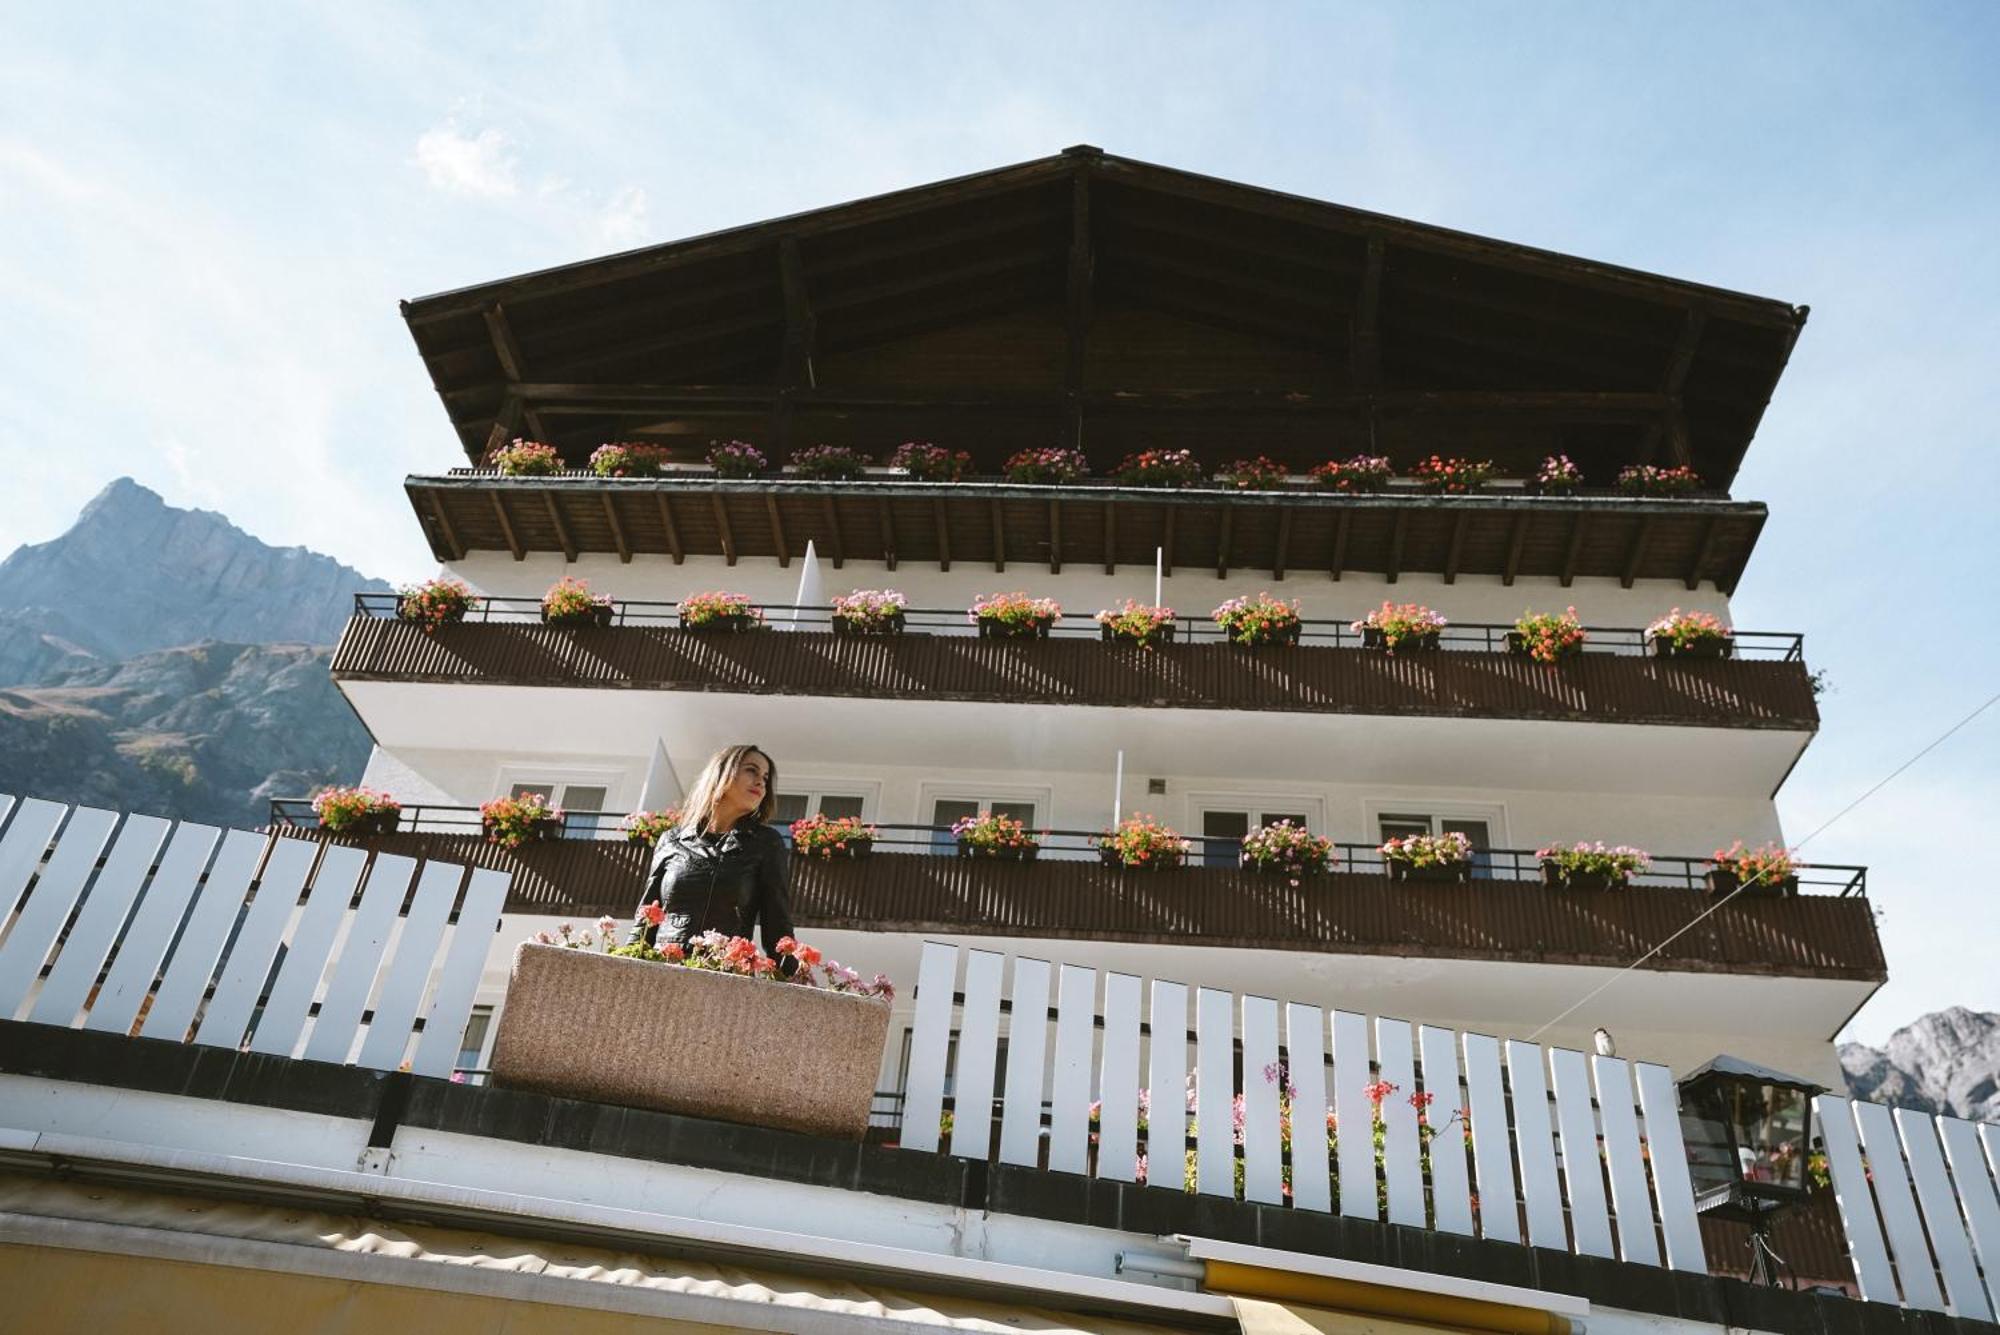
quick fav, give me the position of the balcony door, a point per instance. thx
(947, 811)
(1222, 831)
(1477, 831)
(574, 798)
(797, 804)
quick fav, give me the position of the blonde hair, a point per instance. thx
(699, 811)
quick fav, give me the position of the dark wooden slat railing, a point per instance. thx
(1622, 688)
(1341, 913)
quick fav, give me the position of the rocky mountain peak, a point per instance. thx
(1945, 1062)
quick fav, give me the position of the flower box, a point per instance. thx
(600, 615)
(1517, 645)
(993, 628)
(1436, 872)
(727, 623)
(849, 627)
(998, 852)
(1555, 878)
(1709, 647)
(1723, 881)
(1373, 637)
(373, 825)
(1161, 635)
(539, 832)
(715, 1045)
(1111, 857)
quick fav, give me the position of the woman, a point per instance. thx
(722, 869)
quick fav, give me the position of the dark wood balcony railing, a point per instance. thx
(1764, 684)
(1504, 913)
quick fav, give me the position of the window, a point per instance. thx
(948, 811)
(791, 806)
(573, 798)
(1223, 830)
(1477, 830)
(473, 1046)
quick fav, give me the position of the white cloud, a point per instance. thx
(480, 164)
(622, 222)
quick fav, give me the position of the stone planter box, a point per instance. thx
(582, 1025)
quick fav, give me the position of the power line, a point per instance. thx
(1694, 922)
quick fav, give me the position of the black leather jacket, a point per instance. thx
(738, 885)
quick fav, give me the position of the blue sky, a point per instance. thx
(208, 214)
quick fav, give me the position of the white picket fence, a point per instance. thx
(195, 918)
(1581, 1181)
(1900, 1242)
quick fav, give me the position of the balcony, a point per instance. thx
(1505, 914)
(1764, 686)
(1505, 531)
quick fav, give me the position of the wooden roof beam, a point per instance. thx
(1082, 270)
(723, 530)
(1672, 426)
(1515, 542)
(454, 550)
(1364, 339)
(505, 424)
(507, 526)
(562, 530)
(1457, 547)
(831, 514)
(671, 529)
(508, 350)
(1637, 555)
(1575, 549)
(1396, 537)
(617, 529)
(778, 529)
(795, 354)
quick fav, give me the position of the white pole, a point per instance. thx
(1159, 575)
(1118, 791)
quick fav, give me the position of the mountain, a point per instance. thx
(1948, 1062)
(134, 574)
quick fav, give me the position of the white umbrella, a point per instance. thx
(812, 591)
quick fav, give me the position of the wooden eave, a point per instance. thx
(1240, 534)
(1085, 276)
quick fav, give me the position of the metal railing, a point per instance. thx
(1466, 637)
(1355, 859)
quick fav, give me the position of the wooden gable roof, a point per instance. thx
(1095, 300)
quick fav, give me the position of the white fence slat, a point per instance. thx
(458, 981)
(22, 848)
(55, 897)
(1451, 1188)
(354, 973)
(1166, 1086)
(930, 1044)
(145, 945)
(1535, 1146)
(1989, 1138)
(1215, 1094)
(409, 971)
(6, 806)
(978, 1049)
(1582, 1170)
(1834, 1116)
(1899, 1208)
(1263, 1151)
(1632, 1206)
(249, 961)
(1069, 1091)
(1492, 1153)
(1672, 1183)
(1305, 1043)
(82, 958)
(1118, 1081)
(1918, 1132)
(1402, 1150)
(1976, 1191)
(332, 889)
(1027, 1050)
(204, 936)
(1355, 1154)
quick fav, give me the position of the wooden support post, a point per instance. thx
(672, 529)
(1364, 344)
(1082, 267)
(1167, 540)
(801, 328)
(1222, 537)
(999, 538)
(505, 424)
(454, 550)
(1396, 537)
(1672, 425)
(1055, 537)
(1284, 543)
(512, 365)
(1637, 555)
(831, 514)
(1575, 549)
(888, 525)
(1457, 547)
(1515, 542)
(617, 529)
(778, 530)
(1338, 562)
(1110, 538)
(562, 530)
(506, 526)
(943, 533)
(723, 530)
(1709, 536)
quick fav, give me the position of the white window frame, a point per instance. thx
(1312, 807)
(1493, 813)
(1041, 795)
(612, 781)
(870, 793)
